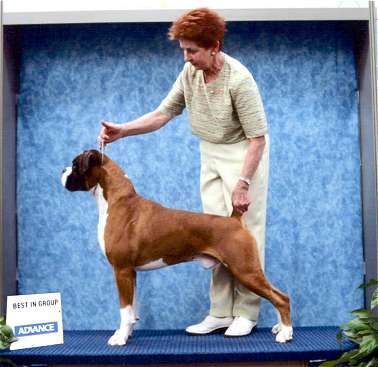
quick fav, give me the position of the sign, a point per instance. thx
(35, 319)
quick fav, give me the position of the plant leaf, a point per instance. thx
(7, 362)
(363, 314)
(329, 364)
(4, 344)
(339, 335)
(6, 335)
(373, 363)
(347, 356)
(369, 283)
(374, 299)
(356, 325)
(6, 331)
(369, 343)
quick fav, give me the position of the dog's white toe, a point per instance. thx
(118, 338)
(276, 329)
(285, 334)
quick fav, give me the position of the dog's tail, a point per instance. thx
(239, 216)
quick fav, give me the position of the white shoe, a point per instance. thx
(209, 324)
(240, 327)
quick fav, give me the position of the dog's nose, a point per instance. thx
(64, 170)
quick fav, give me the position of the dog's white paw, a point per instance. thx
(285, 334)
(119, 337)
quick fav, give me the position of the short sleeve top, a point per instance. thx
(225, 111)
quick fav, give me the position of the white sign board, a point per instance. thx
(35, 319)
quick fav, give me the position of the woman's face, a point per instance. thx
(199, 57)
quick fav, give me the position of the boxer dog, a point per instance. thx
(137, 234)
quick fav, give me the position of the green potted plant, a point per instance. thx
(6, 339)
(6, 335)
(363, 331)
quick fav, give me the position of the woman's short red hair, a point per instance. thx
(203, 26)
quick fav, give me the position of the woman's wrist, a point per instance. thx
(124, 130)
(245, 180)
(242, 184)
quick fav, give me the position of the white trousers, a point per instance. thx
(221, 166)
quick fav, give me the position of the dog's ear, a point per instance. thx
(90, 159)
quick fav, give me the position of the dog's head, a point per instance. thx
(82, 176)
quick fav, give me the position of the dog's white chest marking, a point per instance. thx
(153, 265)
(103, 216)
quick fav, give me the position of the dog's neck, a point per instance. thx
(113, 181)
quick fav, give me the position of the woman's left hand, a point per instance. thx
(240, 199)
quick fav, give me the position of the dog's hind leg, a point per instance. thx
(256, 282)
(283, 329)
(125, 279)
(245, 266)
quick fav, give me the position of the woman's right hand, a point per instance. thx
(110, 132)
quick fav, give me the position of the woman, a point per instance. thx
(226, 113)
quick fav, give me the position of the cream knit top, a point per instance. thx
(226, 110)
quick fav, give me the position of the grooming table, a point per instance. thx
(151, 347)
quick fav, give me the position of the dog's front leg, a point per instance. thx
(125, 279)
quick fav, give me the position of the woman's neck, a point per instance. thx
(215, 68)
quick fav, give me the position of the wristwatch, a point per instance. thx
(245, 179)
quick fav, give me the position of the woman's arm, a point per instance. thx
(147, 123)
(240, 200)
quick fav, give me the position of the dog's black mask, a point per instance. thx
(76, 183)
(78, 178)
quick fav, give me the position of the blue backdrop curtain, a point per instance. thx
(73, 76)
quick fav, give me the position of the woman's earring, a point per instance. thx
(213, 53)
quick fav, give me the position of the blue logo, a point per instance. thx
(36, 329)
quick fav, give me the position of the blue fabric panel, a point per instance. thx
(173, 346)
(74, 76)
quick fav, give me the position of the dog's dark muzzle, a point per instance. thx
(76, 183)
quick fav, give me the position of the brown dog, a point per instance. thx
(137, 234)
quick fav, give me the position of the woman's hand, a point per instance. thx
(240, 199)
(110, 132)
